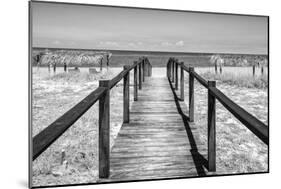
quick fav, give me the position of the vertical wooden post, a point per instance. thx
(211, 128)
(182, 82)
(150, 69)
(216, 68)
(104, 129)
(101, 64)
(145, 67)
(140, 79)
(191, 95)
(126, 97)
(168, 68)
(135, 83)
(173, 69)
(64, 67)
(143, 70)
(107, 61)
(176, 79)
(55, 66)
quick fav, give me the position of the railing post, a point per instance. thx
(182, 82)
(126, 97)
(173, 69)
(54, 67)
(143, 70)
(191, 94)
(135, 83)
(100, 64)
(167, 68)
(104, 131)
(145, 67)
(140, 79)
(149, 69)
(211, 128)
(177, 79)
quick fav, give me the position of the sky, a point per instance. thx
(97, 27)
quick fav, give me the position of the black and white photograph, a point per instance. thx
(125, 94)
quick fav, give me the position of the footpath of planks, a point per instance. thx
(159, 142)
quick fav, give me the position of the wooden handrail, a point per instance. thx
(121, 75)
(51, 133)
(199, 79)
(252, 123)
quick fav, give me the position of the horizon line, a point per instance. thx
(145, 51)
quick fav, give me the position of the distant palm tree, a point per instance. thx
(217, 60)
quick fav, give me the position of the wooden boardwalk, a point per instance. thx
(159, 142)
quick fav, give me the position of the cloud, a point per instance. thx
(56, 42)
(135, 44)
(108, 43)
(180, 43)
(166, 44)
(132, 44)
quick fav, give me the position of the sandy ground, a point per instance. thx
(238, 149)
(52, 97)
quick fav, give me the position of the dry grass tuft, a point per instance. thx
(248, 81)
(54, 95)
(78, 77)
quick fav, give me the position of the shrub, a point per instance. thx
(260, 82)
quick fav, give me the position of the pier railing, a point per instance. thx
(251, 122)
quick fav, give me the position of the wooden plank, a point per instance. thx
(153, 174)
(151, 159)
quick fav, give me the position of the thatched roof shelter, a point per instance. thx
(73, 58)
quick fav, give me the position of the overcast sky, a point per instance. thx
(77, 26)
